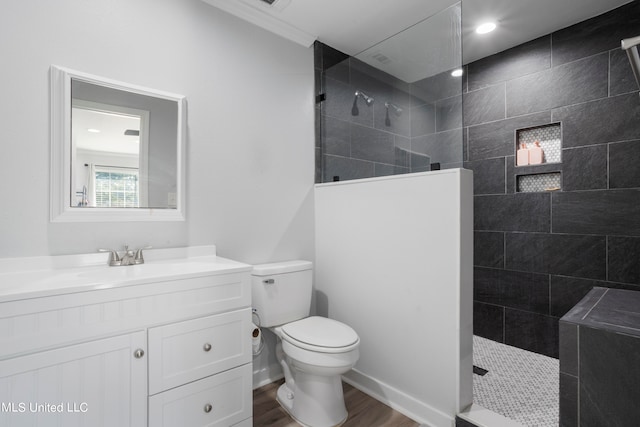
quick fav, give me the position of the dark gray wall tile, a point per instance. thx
(530, 93)
(465, 144)
(340, 102)
(464, 423)
(419, 162)
(582, 124)
(484, 105)
(380, 169)
(497, 139)
(513, 289)
(403, 150)
(373, 145)
(423, 120)
(392, 120)
(449, 114)
(581, 81)
(318, 168)
(579, 256)
(434, 88)
(609, 378)
(329, 56)
(568, 400)
(346, 168)
(531, 331)
(488, 249)
(379, 82)
(578, 81)
(624, 158)
(512, 212)
(621, 78)
(609, 212)
(624, 259)
(566, 292)
(488, 176)
(441, 147)
(596, 35)
(488, 321)
(317, 129)
(568, 348)
(519, 61)
(584, 168)
(335, 136)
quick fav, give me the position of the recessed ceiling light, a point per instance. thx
(457, 73)
(93, 130)
(485, 28)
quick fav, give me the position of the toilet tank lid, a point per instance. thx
(281, 267)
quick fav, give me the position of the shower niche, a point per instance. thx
(538, 158)
(543, 143)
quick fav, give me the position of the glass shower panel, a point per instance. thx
(394, 108)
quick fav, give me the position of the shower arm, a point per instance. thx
(631, 46)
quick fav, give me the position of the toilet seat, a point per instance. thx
(320, 334)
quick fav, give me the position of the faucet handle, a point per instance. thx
(114, 258)
(139, 258)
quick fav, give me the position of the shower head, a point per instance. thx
(397, 109)
(369, 100)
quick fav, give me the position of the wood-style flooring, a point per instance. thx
(364, 411)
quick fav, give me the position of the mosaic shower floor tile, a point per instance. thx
(519, 384)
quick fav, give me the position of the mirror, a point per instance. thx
(117, 150)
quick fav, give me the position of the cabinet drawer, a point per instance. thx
(220, 400)
(187, 351)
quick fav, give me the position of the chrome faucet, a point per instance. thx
(128, 257)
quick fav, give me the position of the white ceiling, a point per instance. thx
(352, 26)
(108, 133)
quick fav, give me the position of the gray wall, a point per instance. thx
(242, 154)
(537, 254)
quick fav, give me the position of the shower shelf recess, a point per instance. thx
(550, 138)
(545, 176)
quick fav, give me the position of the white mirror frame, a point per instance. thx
(60, 190)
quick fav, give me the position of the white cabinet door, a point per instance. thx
(98, 383)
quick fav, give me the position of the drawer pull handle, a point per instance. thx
(207, 347)
(138, 353)
(269, 281)
(208, 407)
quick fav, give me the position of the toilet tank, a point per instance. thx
(281, 291)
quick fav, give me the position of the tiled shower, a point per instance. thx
(538, 253)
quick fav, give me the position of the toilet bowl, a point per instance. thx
(313, 351)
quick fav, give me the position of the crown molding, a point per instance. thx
(263, 19)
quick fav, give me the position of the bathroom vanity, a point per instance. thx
(165, 343)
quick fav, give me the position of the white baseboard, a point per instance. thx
(398, 400)
(267, 375)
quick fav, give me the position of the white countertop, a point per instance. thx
(24, 278)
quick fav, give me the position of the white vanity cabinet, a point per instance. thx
(140, 349)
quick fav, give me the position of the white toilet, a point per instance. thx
(314, 351)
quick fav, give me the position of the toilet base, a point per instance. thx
(316, 402)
